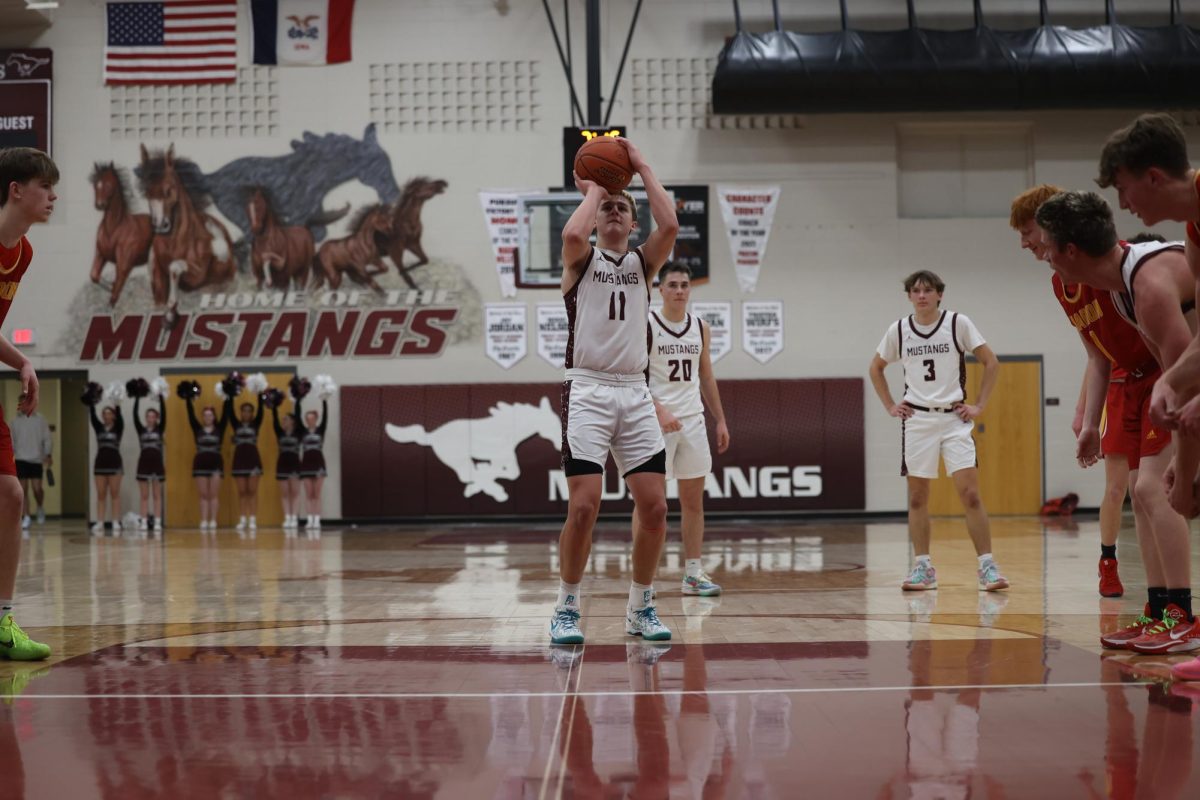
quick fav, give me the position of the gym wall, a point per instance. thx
(471, 93)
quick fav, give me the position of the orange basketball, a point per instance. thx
(606, 161)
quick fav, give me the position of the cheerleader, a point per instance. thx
(208, 466)
(108, 468)
(151, 469)
(287, 466)
(312, 463)
(247, 464)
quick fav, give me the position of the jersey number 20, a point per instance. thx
(678, 366)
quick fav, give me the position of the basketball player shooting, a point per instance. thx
(606, 404)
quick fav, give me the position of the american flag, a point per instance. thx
(174, 41)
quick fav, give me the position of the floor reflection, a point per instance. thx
(643, 720)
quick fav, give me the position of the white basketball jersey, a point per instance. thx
(607, 310)
(1135, 256)
(934, 358)
(675, 363)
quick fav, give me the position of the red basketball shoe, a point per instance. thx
(1187, 671)
(1173, 634)
(1110, 581)
(1121, 637)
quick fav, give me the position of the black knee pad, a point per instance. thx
(656, 464)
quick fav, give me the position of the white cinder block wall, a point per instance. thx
(837, 252)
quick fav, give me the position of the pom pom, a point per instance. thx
(300, 387)
(232, 385)
(114, 392)
(187, 389)
(159, 386)
(324, 387)
(92, 394)
(137, 387)
(273, 398)
(257, 383)
(219, 388)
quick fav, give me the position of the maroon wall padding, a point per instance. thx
(776, 426)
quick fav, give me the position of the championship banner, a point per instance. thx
(748, 212)
(492, 449)
(718, 318)
(762, 329)
(552, 333)
(500, 213)
(25, 98)
(505, 329)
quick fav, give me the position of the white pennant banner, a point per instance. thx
(506, 327)
(748, 212)
(762, 329)
(718, 318)
(500, 213)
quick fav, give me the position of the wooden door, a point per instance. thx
(182, 501)
(1008, 441)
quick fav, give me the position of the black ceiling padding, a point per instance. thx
(916, 69)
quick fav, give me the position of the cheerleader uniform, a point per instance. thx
(246, 460)
(208, 460)
(108, 444)
(287, 465)
(150, 465)
(312, 461)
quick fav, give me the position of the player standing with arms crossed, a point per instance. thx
(680, 375)
(935, 419)
(27, 179)
(606, 405)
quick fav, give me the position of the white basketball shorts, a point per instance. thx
(599, 419)
(688, 455)
(929, 435)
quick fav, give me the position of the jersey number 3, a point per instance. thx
(930, 375)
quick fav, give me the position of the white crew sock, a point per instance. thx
(692, 567)
(924, 560)
(985, 559)
(639, 596)
(568, 595)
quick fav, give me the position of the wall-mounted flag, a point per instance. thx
(301, 32)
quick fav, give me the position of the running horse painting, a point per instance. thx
(354, 253)
(407, 227)
(281, 256)
(123, 237)
(191, 248)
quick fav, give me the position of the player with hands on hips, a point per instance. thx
(936, 420)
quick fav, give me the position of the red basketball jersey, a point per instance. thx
(1093, 314)
(13, 263)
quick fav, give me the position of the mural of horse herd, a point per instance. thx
(276, 202)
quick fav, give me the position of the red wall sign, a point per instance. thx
(486, 449)
(25, 98)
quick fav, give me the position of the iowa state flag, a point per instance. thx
(301, 32)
